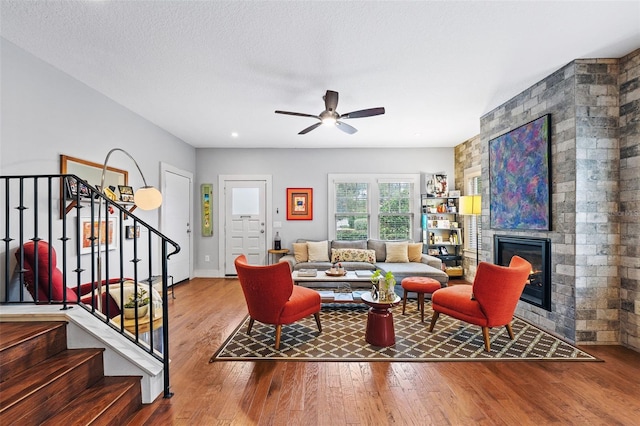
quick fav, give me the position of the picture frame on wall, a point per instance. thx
(519, 177)
(132, 232)
(85, 229)
(299, 203)
(126, 193)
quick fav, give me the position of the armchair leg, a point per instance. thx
(510, 331)
(278, 333)
(487, 341)
(250, 326)
(434, 318)
(317, 317)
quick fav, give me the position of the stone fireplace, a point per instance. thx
(537, 251)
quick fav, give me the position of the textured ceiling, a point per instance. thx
(204, 69)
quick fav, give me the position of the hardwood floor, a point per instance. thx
(206, 311)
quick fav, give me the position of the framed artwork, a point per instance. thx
(85, 230)
(299, 203)
(126, 193)
(519, 177)
(90, 172)
(132, 232)
(206, 193)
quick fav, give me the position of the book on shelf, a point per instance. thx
(364, 273)
(357, 295)
(343, 296)
(326, 295)
(307, 272)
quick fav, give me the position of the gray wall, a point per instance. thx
(306, 168)
(46, 112)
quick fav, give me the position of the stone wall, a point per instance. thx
(629, 214)
(467, 155)
(595, 168)
(554, 95)
(597, 201)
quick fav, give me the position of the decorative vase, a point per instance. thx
(130, 313)
(386, 290)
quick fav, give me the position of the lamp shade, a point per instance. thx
(471, 205)
(147, 198)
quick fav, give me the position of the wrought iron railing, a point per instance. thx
(58, 211)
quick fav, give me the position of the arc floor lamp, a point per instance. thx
(145, 198)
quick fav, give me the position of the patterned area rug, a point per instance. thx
(343, 331)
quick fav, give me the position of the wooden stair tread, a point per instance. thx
(14, 333)
(26, 383)
(23, 345)
(98, 404)
(43, 381)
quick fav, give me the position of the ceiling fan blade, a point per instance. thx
(299, 114)
(363, 113)
(310, 128)
(331, 100)
(345, 127)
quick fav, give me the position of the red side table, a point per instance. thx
(380, 331)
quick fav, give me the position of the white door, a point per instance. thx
(245, 223)
(176, 220)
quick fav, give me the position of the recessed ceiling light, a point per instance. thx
(234, 134)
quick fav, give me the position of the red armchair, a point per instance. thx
(50, 278)
(489, 302)
(272, 298)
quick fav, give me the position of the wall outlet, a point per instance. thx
(207, 258)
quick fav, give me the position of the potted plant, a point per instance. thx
(384, 286)
(137, 301)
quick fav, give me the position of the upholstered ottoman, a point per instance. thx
(419, 285)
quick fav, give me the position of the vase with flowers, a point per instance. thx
(138, 301)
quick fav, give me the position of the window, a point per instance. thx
(395, 212)
(351, 218)
(473, 224)
(373, 206)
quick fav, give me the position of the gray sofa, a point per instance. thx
(429, 266)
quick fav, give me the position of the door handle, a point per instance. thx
(262, 231)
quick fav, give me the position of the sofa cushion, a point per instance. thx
(380, 248)
(352, 255)
(359, 244)
(415, 252)
(318, 251)
(300, 252)
(397, 252)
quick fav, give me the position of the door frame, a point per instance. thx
(164, 168)
(222, 183)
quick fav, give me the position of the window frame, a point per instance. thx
(470, 222)
(373, 197)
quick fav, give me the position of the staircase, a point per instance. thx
(43, 382)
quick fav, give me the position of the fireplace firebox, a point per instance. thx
(537, 251)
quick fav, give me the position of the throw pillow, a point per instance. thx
(353, 255)
(398, 252)
(318, 251)
(415, 252)
(300, 252)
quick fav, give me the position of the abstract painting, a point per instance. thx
(519, 177)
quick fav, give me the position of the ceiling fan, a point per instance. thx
(331, 116)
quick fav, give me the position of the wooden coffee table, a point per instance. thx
(321, 277)
(380, 330)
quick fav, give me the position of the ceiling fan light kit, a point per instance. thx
(330, 116)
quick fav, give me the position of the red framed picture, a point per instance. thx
(299, 203)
